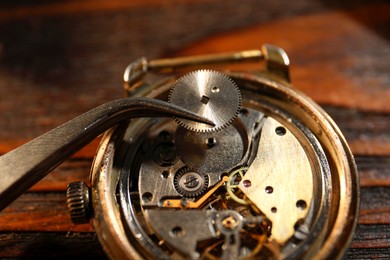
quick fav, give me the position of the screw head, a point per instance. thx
(191, 181)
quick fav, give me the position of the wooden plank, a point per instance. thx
(372, 236)
(27, 245)
(39, 211)
(374, 205)
(367, 132)
(71, 8)
(13, 11)
(374, 171)
(367, 253)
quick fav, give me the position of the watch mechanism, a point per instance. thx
(272, 178)
(241, 189)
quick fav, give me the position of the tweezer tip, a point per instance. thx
(208, 121)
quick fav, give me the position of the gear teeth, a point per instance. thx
(78, 202)
(187, 193)
(212, 75)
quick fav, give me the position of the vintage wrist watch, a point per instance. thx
(273, 178)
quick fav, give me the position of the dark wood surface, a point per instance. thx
(61, 58)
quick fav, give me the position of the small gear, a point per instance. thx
(207, 93)
(232, 185)
(189, 183)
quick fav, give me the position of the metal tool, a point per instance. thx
(23, 167)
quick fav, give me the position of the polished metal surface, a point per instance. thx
(193, 226)
(209, 94)
(232, 57)
(26, 165)
(211, 152)
(282, 188)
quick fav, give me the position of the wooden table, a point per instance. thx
(61, 58)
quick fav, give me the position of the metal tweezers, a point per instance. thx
(21, 168)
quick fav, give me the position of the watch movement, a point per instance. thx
(271, 178)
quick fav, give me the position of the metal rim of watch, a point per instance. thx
(345, 183)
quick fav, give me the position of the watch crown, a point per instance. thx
(78, 202)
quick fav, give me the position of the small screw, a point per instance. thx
(191, 181)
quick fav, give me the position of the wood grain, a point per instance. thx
(60, 58)
(372, 236)
(39, 211)
(61, 245)
(367, 253)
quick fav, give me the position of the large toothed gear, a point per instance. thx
(207, 93)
